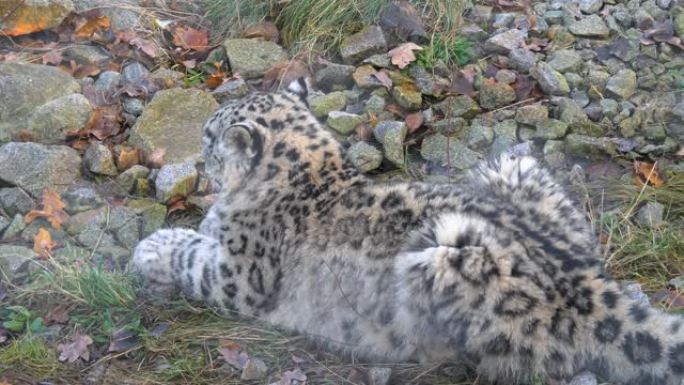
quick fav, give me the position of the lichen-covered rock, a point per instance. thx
(53, 120)
(551, 129)
(34, 166)
(622, 84)
(445, 151)
(175, 181)
(590, 26)
(81, 198)
(153, 214)
(407, 95)
(84, 54)
(566, 60)
(364, 156)
(551, 81)
(588, 147)
(15, 201)
(322, 105)
(99, 159)
(172, 122)
(14, 261)
(251, 58)
(504, 42)
(364, 77)
(362, 44)
(343, 122)
(335, 77)
(124, 183)
(232, 89)
(392, 134)
(458, 106)
(532, 114)
(494, 95)
(24, 88)
(21, 17)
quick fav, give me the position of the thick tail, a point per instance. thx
(512, 282)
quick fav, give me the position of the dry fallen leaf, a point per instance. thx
(284, 73)
(234, 355)
(59, 314)
(53, 210)
(43, 244)
(414, 121)
(648, 173)
(127, 158)
(403, 55)
(156, 158)
(77, 348)
(291, 377)
(190, 38)
(92, 25)
(149, 47)
(53, 57)
(383, 78)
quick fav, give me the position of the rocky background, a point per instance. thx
(101, 109)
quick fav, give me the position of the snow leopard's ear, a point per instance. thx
(300, 87)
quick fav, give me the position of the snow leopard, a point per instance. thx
(500, 271)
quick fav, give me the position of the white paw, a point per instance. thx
(152, 261)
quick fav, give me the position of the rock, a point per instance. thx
(14, 261)
(167, 78)
(175, 181)
(53, 120)
(590, 26)
(251, 58)
(522, 59)
(494, 95)
(34, 166)
(133, 106)
(554, 17)
(4, 223)
(380, 60)
(232, 89)
(126, 225)
(445, 151)
(566, 60)
(571, 112)
(15, 227)
(362, 44)
(79, 199)
(364, 77)
(551, 81)
(590, 6)
(503, 20)
(481, 14)
(134, 74)
(343, 122)
(448, 126)
(364, 156)
(622, 84)
(585, 378)
(643, 19)
(123, 184)
(254, 369)
(458, 106)
(122, 14)
(21, 17)
(532, 114)
(650, 215)
(153, 214)
(505, 76)
(14, 200)
(479, 134)
(335, 77)
(99, 159)
(402, 22)
(407, 95)
(375, 105)
(24, 88)
(551, 129)
(588, 147)
(392, 134)
(84, 54)
(173, 122)
(553, 153)
(107, 82)
(428, 83)
(322, 105)
(504, 42)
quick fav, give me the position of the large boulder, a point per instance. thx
(172, 122)
(20, 17)
(24, 88)
(252, 58)
(34, 166)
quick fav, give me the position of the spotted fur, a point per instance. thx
(500, 271)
